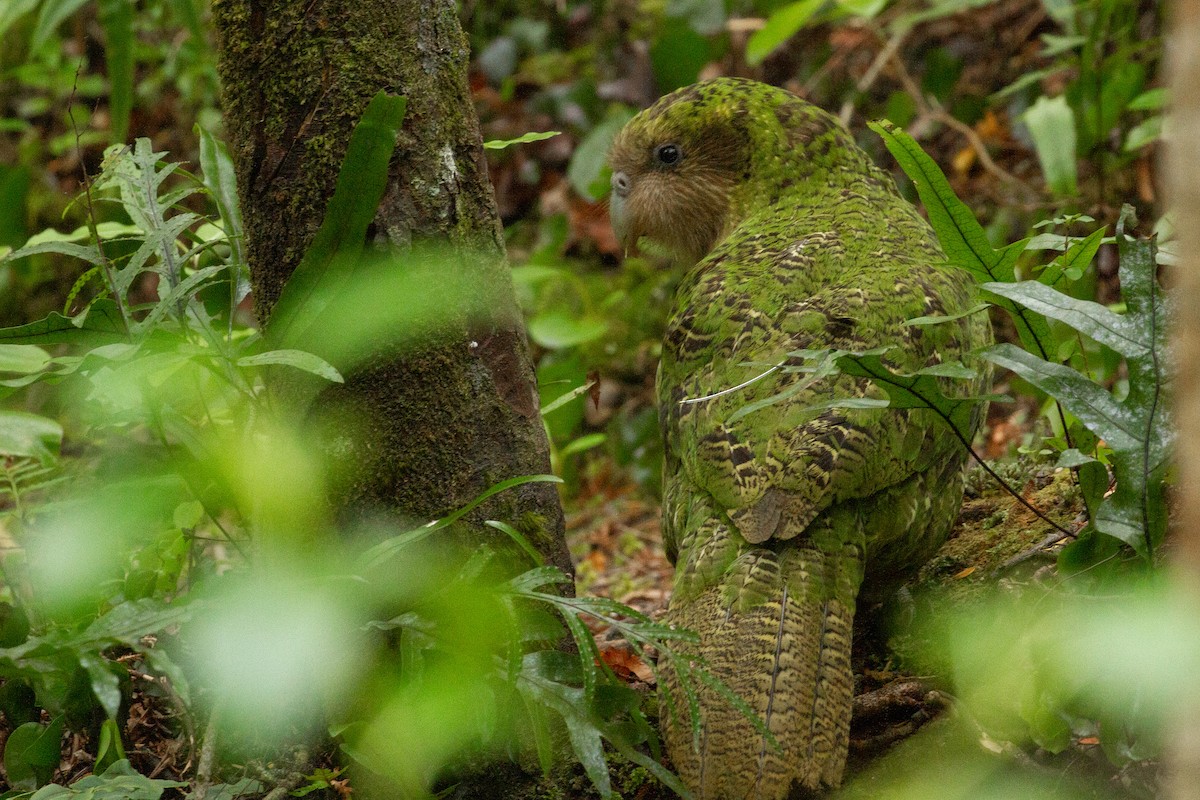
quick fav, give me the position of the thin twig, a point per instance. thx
(872, 74)
(1025, 555)
(970, 449)
(930, 107)
(1004, 485)
(208, 755)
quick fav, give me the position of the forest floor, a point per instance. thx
(613, 522)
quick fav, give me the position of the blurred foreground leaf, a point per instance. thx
(331, 258)
(24, 434)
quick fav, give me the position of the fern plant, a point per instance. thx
(164, 377)
(1132, 432)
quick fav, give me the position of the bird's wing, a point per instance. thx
(772, 453)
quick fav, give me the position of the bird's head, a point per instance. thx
(693, 166)
(674, 167)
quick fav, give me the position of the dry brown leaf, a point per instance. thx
(589, 222)
(626, 665)
(963, 160)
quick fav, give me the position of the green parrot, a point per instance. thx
(780, 518)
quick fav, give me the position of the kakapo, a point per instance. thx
(781, 516)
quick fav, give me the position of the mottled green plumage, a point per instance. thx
(774, 518)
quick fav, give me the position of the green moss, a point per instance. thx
(994, 528)
(635, 779)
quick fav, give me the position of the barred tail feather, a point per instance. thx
(777, 632)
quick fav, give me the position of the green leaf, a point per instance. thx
(105, 685)
(177, 295)
(330, 259)
(534, 274)
(389, 547)
(652, 765)
(588, 170)
(1041, 712)
(678, 54)
(1087, 400)
(1144, 133)
(188, 514)
(1118, 331)
(866, 9)
(116, 17)
(570, 703)
(51, 15)
(23, 359)
(15, 184)
(119, 782)
(566, 397)
(1029, 78)
(133, 171)
(100, 323)
(960, 234)
(17, 700)
(1075, 260)
(1136, 428)
(555, 330)
(129, 622)
(916, 390)
(1051, 123)
(533, 579)
(221, 179)
(532, 136)
(586, 442)
(294, 358)
(89, 254)
(108, 229)
(938, 319)
(1149, 100)
(1138, 506)
(14, 630)
(139, 173)
(109, 749)
(1071, 458)
(32, 753)
(779, 27)
(12, 11)
(28, 435)
(518, 538)
(1057, 45)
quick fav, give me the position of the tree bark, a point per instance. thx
(453, 414)
(1184, 171)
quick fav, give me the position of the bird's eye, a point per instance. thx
(667, 154)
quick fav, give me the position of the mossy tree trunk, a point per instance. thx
(458, 412)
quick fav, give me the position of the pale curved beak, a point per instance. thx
(618, 213)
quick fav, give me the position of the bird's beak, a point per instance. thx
(618, 213)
